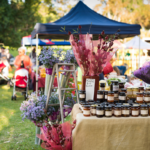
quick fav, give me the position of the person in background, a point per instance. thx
(32, 56)
(3, 53)
(22, 60)
(115, 69)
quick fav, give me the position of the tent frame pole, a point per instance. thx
(139, 53)
(36, 65)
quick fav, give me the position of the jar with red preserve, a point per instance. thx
(110, 97)
(139, 97)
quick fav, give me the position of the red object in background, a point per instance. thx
(2, 66)
(21, 81)
(108, 68)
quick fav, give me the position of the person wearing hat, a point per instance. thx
(22, 60)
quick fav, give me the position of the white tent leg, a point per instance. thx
(139, 53)
(36, 65)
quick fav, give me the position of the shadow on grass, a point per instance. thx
(14, 133)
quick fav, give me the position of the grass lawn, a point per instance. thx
(14, 133)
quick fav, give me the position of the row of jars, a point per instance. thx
(117, 110)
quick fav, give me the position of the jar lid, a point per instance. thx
(100, 92)
(102, 84)
(121, 82)
(123, 89)
(91, 100)
(144, 106)
(146, 93)
(91, 103)
(116, 92)
(115, 81)
(139, 93)
(104, 103)
(86, 106)
(109, 106)
(83, 102)
(126, 106)
(100, 107)
(82, 92)
(118, 106)
(97, 102)
(135, 106)
(110, 92)
(122, 94)
(118, 103)
(106, 92)
(141, 86)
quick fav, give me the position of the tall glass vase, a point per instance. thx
(47, 83)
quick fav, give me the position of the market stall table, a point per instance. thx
(124, 133)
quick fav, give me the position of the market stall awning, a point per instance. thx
(90, 21)
(137, 43)
(27, 41)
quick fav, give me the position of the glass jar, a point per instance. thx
(147, 97)
(102, 86)
(110, 97)
(124, 90)
(117, 111)
(90, 101)
(129, 92)
(121, 86)
(99, 111)
(113, 107)
(135, 111)
(86, 110)
(122, 97)
(93, 110)
(147, 89)
(141, 89)
(100, 96)
(105, 95)
(108, 111)
(144, 110)
(139, 97)
(126, 111)
(115, 94)
(97, 102)
(82, 105)
(114, 86)
(82, 95)
(135, 90)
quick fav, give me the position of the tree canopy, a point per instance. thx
(18, 17)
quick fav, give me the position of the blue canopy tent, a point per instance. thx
(90, 21)
(27, 41)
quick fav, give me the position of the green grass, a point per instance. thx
(14, 133)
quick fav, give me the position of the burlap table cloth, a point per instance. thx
(92, 133)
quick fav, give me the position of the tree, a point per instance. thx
(129, 11)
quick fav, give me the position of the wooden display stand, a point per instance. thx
(60, 88)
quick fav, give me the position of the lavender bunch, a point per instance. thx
(70, 58)
(49, 57)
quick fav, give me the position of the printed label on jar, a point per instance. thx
(100, 112)
(99, 96)
(129, 92)
(135, 112)
(139, 98)
(122, 98)
(110, 98)
(134, 92)
(86, 112)
(125, 112)
(108, 113)
(105, 96)
(117, 112)
(146, 99)
(102, 89)
(144, 112)
(115, 95)
(93, 111)
(81, 95)
(115, 87)
(141, 91)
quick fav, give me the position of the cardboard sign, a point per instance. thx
(90, 88)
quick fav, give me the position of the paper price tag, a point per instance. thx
(90, 88)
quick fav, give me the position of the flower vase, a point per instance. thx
(96, 86)
(47, 79)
